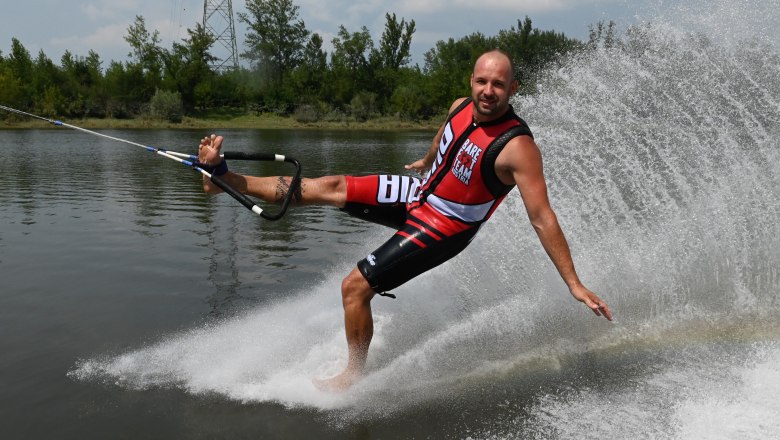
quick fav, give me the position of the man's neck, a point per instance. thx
(479, 118)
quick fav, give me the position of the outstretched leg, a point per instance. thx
(356, 296)
(328, 190)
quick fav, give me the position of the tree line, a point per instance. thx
(289, 72)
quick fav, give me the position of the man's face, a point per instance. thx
(491, 86)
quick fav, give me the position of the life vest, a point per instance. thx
(462, 183)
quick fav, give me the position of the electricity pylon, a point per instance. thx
(218, 22)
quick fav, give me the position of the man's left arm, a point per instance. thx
(520, 163)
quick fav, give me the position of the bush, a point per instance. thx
(11, 90)
(311, 112)
(335, 115)
(407, 102)
(166, 106)
(306, 113)
(363, 106)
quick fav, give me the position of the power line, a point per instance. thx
(176, 15)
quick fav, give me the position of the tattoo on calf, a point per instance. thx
(283, 187)
(298, 194)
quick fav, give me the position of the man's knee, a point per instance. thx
(355, 288)
(328, 189)
(334, 183)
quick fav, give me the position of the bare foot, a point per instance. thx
(337, 384)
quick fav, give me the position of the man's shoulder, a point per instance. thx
(520, 149)
(519, 155)
(523, 142)
(457, 103)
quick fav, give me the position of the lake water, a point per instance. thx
(135, 306)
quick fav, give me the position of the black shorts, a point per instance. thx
(416, 247)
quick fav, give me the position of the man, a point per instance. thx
(480, 153)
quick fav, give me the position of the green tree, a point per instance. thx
(232, 88)
(20, 66)
(122, 88)
(82, 85)
(309, 77)
(97, 94)
(393, 50)
(147, 58)
(410, 99)
(187, 68)
(19, 60)
(449, 66)
(350, 64)
(533, 50)
(290, 69)
(11, 92)
(43, 84)
(391, 55)
(275, 42)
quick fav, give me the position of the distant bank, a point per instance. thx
(264, 121)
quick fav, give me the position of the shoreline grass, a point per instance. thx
(216, 121)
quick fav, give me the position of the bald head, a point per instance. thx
(492, 84)
(499, 59)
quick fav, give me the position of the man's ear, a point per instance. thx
(512, 88)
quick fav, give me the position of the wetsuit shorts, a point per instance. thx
(424, 239)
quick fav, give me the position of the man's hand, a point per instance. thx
(592, 300)
(420, 166)
(209, 150)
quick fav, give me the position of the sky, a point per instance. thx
(55, 26)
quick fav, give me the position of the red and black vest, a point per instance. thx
(462, 184)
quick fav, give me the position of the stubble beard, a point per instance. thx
(497, 109)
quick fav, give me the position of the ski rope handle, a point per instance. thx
(295, 183)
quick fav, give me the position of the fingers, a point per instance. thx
(595, 303)
(418, 166)
(600, 308)
(605, 311)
